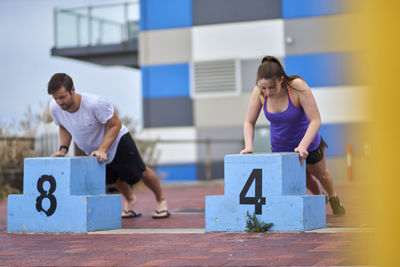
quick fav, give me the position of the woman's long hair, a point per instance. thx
(271, 68)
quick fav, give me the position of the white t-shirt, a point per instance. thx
(87, 125)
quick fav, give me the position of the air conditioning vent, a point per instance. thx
(215, 76)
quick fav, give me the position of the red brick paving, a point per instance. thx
(210, 249)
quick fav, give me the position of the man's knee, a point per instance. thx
(147, 173)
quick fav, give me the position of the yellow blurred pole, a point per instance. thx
(381, 42)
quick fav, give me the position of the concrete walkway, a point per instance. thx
(180, 240)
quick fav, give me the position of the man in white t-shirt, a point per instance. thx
(96, 129)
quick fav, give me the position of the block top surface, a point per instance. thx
(60, 158)
(258, 157)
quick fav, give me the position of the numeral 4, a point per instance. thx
(258, 200)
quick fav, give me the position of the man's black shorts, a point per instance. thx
(318, 154)
(127, 164)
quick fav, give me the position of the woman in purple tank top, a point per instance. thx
(289, 105)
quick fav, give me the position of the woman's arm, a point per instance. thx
(307, 102)
(252, 114)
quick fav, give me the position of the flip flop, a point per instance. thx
(161, 217)
(130, 214)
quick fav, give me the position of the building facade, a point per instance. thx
(199, 59)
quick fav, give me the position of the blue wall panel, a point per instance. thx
(321, 69)
(165, 81)
(309, 8)
(184, 172)
(161, 14)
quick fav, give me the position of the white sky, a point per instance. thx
(26, 38)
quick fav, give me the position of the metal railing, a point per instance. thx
(13, 150)
(17, 138)
(208, 142)
(96, 25)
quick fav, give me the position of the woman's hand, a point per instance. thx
(246, 151)
(303, 154)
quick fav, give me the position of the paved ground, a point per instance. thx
(180, 240)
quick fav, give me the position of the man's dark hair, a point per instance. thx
(57, 81)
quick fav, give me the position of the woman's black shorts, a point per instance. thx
(127, 164)
(318, 154)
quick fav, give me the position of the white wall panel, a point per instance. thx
(223, 111)
(175, 152)
(253, 39)
(341, 104)
(164, 46)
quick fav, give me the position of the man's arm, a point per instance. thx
(65, 140)
(114, 125)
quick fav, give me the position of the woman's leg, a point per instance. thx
(324, 177)
(319, 171)
(312, 184)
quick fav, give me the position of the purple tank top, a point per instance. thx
(288, 128)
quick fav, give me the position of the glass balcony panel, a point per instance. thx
(95, 32)
(66, 30)
(110, 34)
(84, 31)
(111, 14)
(97, 25)
(133, 12)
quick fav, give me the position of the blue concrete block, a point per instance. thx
(63, 195)
(271, 185)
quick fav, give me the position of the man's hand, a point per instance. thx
(101, 155)
(60, 153)
(303, 154)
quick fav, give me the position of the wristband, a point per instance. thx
(66, 148)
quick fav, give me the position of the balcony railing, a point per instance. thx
(96, 25)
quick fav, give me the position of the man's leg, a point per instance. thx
(150, 179)
(130, 199)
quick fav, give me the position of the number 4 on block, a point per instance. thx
(258, 200)
(279, 195)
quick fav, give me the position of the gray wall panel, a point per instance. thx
(222, 148)
(167, 112)
(217, 170)
(320, 34)
(248, 69)
(224, 11)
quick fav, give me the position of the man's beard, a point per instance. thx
(67, 106)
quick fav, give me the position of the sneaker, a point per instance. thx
(336, 206)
